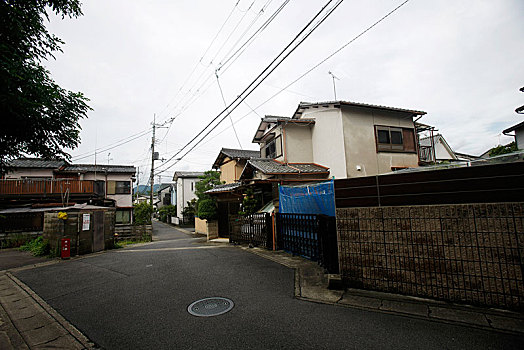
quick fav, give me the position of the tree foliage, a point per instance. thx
(250, 203)
(41, 118)
(207, 209)
(166, 212)
(206, 204)
(142, 213)
(500, 149)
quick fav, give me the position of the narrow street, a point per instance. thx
(137, 297)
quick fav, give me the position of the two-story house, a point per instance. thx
(44, 181)
(185, 189)
(231, 163)
(351, 139)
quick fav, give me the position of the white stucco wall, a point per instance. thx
(184, 193)
(519, 137)
(21, 173)
(122, 200)
(328, 140)
(298, 143)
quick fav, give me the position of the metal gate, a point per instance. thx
(255, 229)
(312, 236)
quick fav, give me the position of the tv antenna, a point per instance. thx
(334, 88)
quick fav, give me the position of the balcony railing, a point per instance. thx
(44, 187)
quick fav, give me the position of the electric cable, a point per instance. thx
(267, 71)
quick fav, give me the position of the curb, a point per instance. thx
(311, 285)
(31, 320)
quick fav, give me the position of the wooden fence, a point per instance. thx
(28, 187)
(475, 184)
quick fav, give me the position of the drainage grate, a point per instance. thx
(210, 307)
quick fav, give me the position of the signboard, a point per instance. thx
(86, 220)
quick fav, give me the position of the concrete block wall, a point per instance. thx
(81, 240)
(470, 253)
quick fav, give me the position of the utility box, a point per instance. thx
(65, 248)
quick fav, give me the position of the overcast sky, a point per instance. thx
(460, 61)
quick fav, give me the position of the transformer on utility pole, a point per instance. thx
(154, 156)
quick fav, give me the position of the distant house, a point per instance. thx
(185, 189)
(55, 181)
(435, 149)
(518, 133)
(164, 194)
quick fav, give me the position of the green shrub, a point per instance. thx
(166, 212)
(15, 240)
(207, 209)
(142, 213)
(38, 247)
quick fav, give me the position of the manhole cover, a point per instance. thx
(210, 307)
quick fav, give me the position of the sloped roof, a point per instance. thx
(273, 120)
(37, 163)
(305, 105)
(438, 138)
(187, 174)
(514, 127)
(224, 187)
(234, 153)
(270, 166)
(84, 168)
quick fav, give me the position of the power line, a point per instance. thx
(265, 73)
(196, 94)
(107, 148)
(225, 104)
(203, 55)
(319, 63)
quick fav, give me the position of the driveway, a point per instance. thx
(137, 298)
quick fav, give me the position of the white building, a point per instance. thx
(518, 130)
(351, 139)
(185, 189)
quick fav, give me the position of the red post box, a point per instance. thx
(65, 251)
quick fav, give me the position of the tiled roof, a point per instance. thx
(224, 188)
(183, 174)
(271, 121)
(271, 166)
(36, 163)
(234, 153)
(240, 153)
(305, 105)
(84, 168)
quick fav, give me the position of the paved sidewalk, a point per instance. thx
(27, 322)
(311, 284)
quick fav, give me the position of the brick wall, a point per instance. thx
(470, 253)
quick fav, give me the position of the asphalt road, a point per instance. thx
(138, 297)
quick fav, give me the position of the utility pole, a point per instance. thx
(154, 156)
(152, 176)
(334, 89)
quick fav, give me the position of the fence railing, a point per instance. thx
(22, 222)
(309, 235)
(255, 229)
(45, 187)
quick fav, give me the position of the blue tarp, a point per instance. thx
(310, 199)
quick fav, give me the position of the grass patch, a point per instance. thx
(15, 240)
(126, 242)
(38, 247)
